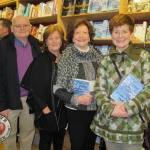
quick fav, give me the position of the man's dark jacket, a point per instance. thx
(39, 79)
(5, 37)
(9, 79)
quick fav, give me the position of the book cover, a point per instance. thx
(36, 10)
(68, 11)
(33, 12)
(82, 2)
(68, 8)
(140, 31)
(127, 89)
(98, 26)
(40, 10)
(21, 9)
(104, 29)
(148, 33)
(81, 6)
(47, 10)
(26, 14)
(10, 13)
(68, 3)
(113, 5)
(105, 5)
(55, 7)
(5, 12)
(83, 86)
(144, 31)
(32, 7)
(145, 5)
(138, 6)
(41, 31)
(97, 6)
(81, 9)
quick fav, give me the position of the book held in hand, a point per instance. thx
(83, 86)
(127, 89)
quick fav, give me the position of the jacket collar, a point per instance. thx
(132, 51)
(32, 40)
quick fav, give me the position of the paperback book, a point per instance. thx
(113, 5)
(95, 6)
(98, 26)
(83, 86)
(148, 34)
(128, 88)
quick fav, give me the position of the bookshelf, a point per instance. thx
(64, 21)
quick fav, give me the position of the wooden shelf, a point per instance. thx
(31, 1)
(140, 15)
(142, 44)
(46, 19)
(107, 41)
(103, 41)
(4, 3)
(91, 16)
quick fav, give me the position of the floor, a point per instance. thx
(65, 147)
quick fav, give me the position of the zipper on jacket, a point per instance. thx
(53, 104)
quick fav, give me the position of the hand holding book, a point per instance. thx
(127, 89)
(119, 110)
(83, 89)
(85, 99)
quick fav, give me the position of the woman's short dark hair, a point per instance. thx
(50, 30)
(120, 20)
(77, 22)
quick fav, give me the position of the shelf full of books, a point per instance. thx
(138, 9)
(64, 11)
(30, 10)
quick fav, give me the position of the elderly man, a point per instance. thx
(5, 29)
(16, 53)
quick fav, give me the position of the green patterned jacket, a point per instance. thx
(122, 130)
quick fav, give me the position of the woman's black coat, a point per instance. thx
(38, 79)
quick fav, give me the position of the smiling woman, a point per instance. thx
(119, 122)
(79, 60)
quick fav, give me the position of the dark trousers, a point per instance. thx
(81, 136)
(46, 139)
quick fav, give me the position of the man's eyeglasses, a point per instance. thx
(19, 26)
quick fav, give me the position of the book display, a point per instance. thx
(64, 11)
(148, 33)
(139, 6)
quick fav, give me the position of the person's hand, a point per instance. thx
(85, 99)
(4, 113)
(46, 110)
(119, 110)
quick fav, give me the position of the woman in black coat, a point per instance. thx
(39, 80)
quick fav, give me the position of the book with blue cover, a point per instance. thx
(113, 5)
(95, 6)
(127, 89)
(98, 26)
(83, 86)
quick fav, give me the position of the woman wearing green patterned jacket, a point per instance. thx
(119, 122)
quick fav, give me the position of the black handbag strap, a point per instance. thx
(120, 78)
(117, 69)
